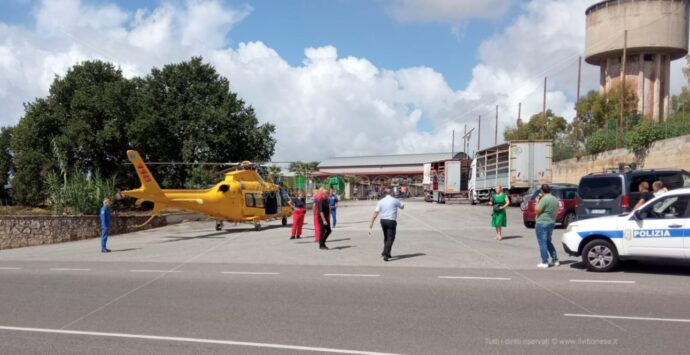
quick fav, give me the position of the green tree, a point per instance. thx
(187, 113)
(5, 160)
(85, 115)
(598, 111)
(537, 128)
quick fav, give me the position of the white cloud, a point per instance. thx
(452, 11)
(329, 105)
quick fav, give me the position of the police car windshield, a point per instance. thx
(600, 188)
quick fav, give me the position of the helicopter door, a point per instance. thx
(271, 203)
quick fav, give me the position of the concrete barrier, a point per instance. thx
(22, 231)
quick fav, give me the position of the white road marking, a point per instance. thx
(9, 268)
(604, 281)
(158, 271)
(249, 273)
(194, 340)
(67, 269)
(352, 275)
(678, 320)
(475, 278)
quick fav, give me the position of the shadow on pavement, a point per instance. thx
(511, 237)
(342, 247)
(405, 256)
(119, 250)
(650, 266)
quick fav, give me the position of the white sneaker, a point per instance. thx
(557, 263)
(543, 266)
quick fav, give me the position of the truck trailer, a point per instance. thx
(516, 166)
(446, 180)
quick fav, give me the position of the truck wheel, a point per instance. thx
(284, 221)
(569, 218)
(600, 256)
(472, 200)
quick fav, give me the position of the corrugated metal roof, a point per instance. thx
(383, 160)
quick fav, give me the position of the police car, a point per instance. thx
(660, 228)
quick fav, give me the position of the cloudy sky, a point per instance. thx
(336, 77)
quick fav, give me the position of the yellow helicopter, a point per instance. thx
(241, 197)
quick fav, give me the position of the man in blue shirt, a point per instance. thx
(105, 224)
(387, 208)
(333, 204)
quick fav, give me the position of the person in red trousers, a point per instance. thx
(298, 205)
(317, 224)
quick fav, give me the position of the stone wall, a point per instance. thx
(669, 153)
(22, 231)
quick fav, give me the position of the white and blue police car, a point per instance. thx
(658, 229)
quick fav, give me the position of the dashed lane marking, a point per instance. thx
(475, 278)
(10, 268)
(155, 271)
(677, 320)
(194, 340)
(352, 275)
(67, 269)
(249, 273)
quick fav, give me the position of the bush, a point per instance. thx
(78, 193)
(601, 141)
(643, 135)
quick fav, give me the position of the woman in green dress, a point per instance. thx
(498, 217)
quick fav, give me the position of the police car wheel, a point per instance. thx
(600, 256)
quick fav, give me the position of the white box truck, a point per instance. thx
(446, 180)
(516, 166)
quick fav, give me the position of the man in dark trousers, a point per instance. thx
(387, 208)
(105, 224)
(324, 222)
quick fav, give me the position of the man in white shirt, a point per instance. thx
(387, 208)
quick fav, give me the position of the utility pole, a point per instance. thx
(467, 137)
(543, 112)
(621, 123)
(496, 133)
(479, 131)
(577, 101)
(519, 120)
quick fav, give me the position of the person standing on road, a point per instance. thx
(387, 208)
(333, 204)
(323, 211)
(298, 205)
(547, 206)
(315, 207)
(499, 202)
(105, 225)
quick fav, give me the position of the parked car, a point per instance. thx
(567, 201)
(610, 194)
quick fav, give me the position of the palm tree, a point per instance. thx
(273, 172)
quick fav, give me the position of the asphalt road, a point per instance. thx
(451, 288)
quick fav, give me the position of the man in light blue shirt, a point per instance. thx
(387, 208)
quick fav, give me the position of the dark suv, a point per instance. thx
(607, 194)
(567, 201)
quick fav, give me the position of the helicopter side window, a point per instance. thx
(258, 201)
(249, 200)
